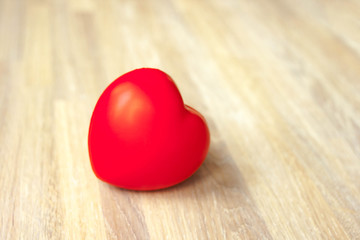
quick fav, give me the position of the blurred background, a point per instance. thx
(278, 82)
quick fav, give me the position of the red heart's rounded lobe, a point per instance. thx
(142, 136)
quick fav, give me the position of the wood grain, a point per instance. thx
(278, 82)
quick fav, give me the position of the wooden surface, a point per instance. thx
(278, 82)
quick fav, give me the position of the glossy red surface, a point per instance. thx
(142, 136)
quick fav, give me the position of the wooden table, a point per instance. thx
(278, 82)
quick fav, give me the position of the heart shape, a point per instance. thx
(142, 136)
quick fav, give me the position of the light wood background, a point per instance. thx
(278, 82)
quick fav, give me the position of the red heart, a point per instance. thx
(142, 136)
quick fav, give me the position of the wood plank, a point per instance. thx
(278, 83)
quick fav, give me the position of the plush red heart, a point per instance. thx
(142, 136)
